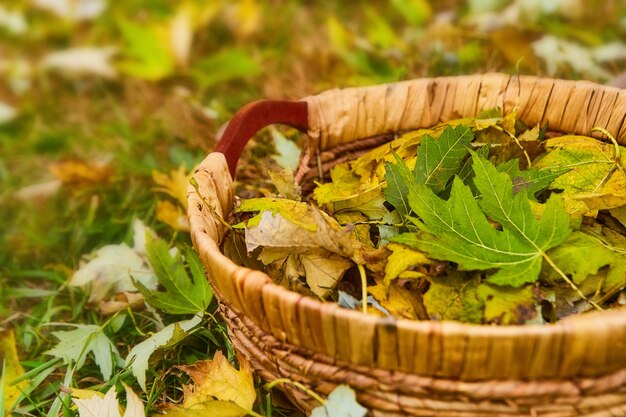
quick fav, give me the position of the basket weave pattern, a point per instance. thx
(575, 367)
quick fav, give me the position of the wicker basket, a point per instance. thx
(398, 367)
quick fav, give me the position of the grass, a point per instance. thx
(138, 122)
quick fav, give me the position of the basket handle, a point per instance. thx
(255, 116)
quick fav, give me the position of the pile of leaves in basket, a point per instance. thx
(481, 220)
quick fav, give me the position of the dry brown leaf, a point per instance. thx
(121, 302)
(323, 271)
(277, 232)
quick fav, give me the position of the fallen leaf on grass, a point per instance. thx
(213, 408)
(557, 53)
(98, 405)
(340, 403)
(7, 112)
(218, 389)
(82, 61)
(515, 45)
(11, 370)
(182, 294)
(172, 215)
(139, 356)
(75, 345)
(76, 10)
(77, 172)
(146, 52)
(13, 21)
(37, 192)
(243, 18)
(121, 302)
(174, 184)
(107, 271)
(223, 66)
(216, 378)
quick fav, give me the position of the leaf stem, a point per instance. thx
(569, 281)
(298, 385)
(363, 287)
(519, 145)
(608, 135)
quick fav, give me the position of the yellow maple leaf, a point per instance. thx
(244, 18)
(399, 301)
(209, 408)
(77, 172)
(11, 369)
(401, 259)
(172, 215)
(174, 184)
(218, 379)
(93, 403)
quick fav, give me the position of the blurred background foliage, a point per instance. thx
(97, 95)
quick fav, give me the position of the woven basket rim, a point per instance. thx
(593, 327)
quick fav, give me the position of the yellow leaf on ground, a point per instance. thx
(244, 18)
(172, 215)
(85, 394)
(217, 379)
(174, 184)
(209, 409)
(77, 172)
(95, 404)
(12, 370)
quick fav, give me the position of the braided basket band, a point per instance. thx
(343, 115)
(391, 393)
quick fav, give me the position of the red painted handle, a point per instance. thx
(255, 116)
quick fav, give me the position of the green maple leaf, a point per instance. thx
(533, 180)
(458, 230)
(437, 161)
(183, 294)
(139, 356)
(74, 345)
(399, 181)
